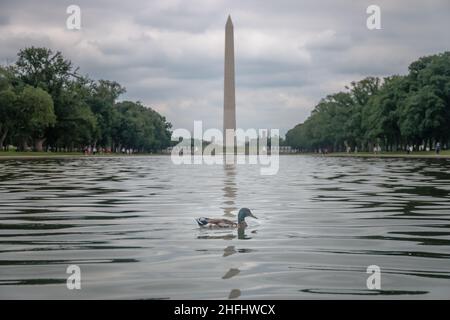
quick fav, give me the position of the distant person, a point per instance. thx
(356, 149)
(94, 150)
(438, 148)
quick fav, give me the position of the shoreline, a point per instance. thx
(48, 155)
(391, 155)
(44, 155)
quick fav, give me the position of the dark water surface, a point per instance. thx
(128, 223)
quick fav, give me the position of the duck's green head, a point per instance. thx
(243, 213)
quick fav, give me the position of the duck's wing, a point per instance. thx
(223, 223)
(211, 223)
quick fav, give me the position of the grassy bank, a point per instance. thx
(33, 155)
(37, 154)
(400, 154)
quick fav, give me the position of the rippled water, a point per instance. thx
(128, 223)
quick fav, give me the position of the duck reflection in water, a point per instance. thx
(224, 235)
(229, 190)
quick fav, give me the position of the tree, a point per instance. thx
(141, 128)
(44, 99)
(36, 106)
(400, 110)
(41, 67)
(429, 80)
(361, 92)
(102, 100)
(382, 114)
(7, 113)
(7, 106)
(77, 125)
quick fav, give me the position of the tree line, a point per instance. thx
(45, 104)
(392, 113)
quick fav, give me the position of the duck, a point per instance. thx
(225, 223)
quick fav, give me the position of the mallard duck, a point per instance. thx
(225, 223)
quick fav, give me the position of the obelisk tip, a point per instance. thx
(229, 22)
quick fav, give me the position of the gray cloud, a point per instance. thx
(289, 53)
(4, 20)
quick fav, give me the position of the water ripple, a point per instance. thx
(128, 222)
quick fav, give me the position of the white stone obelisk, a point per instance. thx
(229, 102)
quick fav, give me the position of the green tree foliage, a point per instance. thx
(394, 112)
(37, 115)
(141, 128)
(7, 105)
(102, 100)
(45, 102)
(76, 125)
(382, 113)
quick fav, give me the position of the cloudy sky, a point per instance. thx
(289, 54)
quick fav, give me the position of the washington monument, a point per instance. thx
(229, 102)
